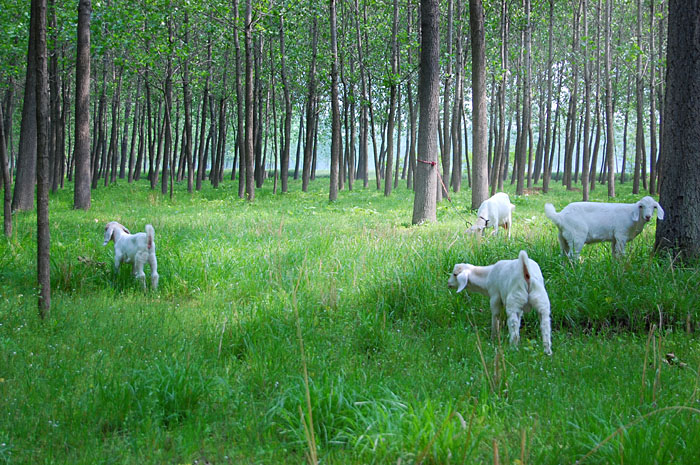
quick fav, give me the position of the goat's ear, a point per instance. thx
(659, 211)
(635, 212)
(108, 235)
(462, 280)
(125, 230)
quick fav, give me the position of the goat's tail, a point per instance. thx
(551, 213)
(525, 263)
(150, 235)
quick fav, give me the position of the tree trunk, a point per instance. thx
(587, 108)
(335, 108)
(6, 180)
(287, 135)
(392, 100)
(25, 178)
(525, 146)
(679, 232)
(81, 194)
(43, 237)
(424, 202)
(310, 111)
(480, 186)
(640, 151)
(249, 103)
(652, 102)
(445, 146)
(609, 114)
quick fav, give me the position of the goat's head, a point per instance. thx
(460, 276)
(645, 209)
(110, 229)
(479, 226)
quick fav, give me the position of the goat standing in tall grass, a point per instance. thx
(582, 223)
(139, 249)
(516, 285)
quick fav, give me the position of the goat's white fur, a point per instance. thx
(582, 223)
(517, 285)
(494, 212)
(139, 249)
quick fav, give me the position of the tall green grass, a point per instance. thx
(398, 367)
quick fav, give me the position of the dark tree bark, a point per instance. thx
(25, 178)
(547, 166)
(424, 202)
(187, 97)
(42, 168)
(6, 180)
(201, 153)
(679, 232)
(81, 194)
(456, 129)
(445, 146)
(335, 106)
(480, 185)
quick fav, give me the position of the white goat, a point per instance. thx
(139, 249)
(494, 212)
(582, 223)
(517, 285)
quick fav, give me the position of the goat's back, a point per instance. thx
(510, 275)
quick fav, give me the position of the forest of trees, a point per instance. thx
(180, 90)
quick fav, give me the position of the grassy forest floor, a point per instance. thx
(395, 367)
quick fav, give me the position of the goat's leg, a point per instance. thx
(154, 271)
(514, 313)
(138, 271)
(541, 304)
(496, 308)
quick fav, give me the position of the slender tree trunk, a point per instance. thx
(525, 146)
(424, 203)
(547, 168)
(392, 100)
(335, 107)
(310, 111)
(499, 152)
(587, 107)
(609, 114)
(201, 154)
(284, 165)
(640, 151)
(652, 102)
(42, 166)
(249, 157)
(445, 146)
(187, 97)
(6, 180)
(81, 194)
(480, 186)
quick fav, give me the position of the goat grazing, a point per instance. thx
(139, 249)
(494, 212)
(582, 223)
(517, 285)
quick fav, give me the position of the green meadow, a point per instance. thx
(294, 330)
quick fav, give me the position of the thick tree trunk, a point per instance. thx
(424, 202)
(25, 178)
(679, 232)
